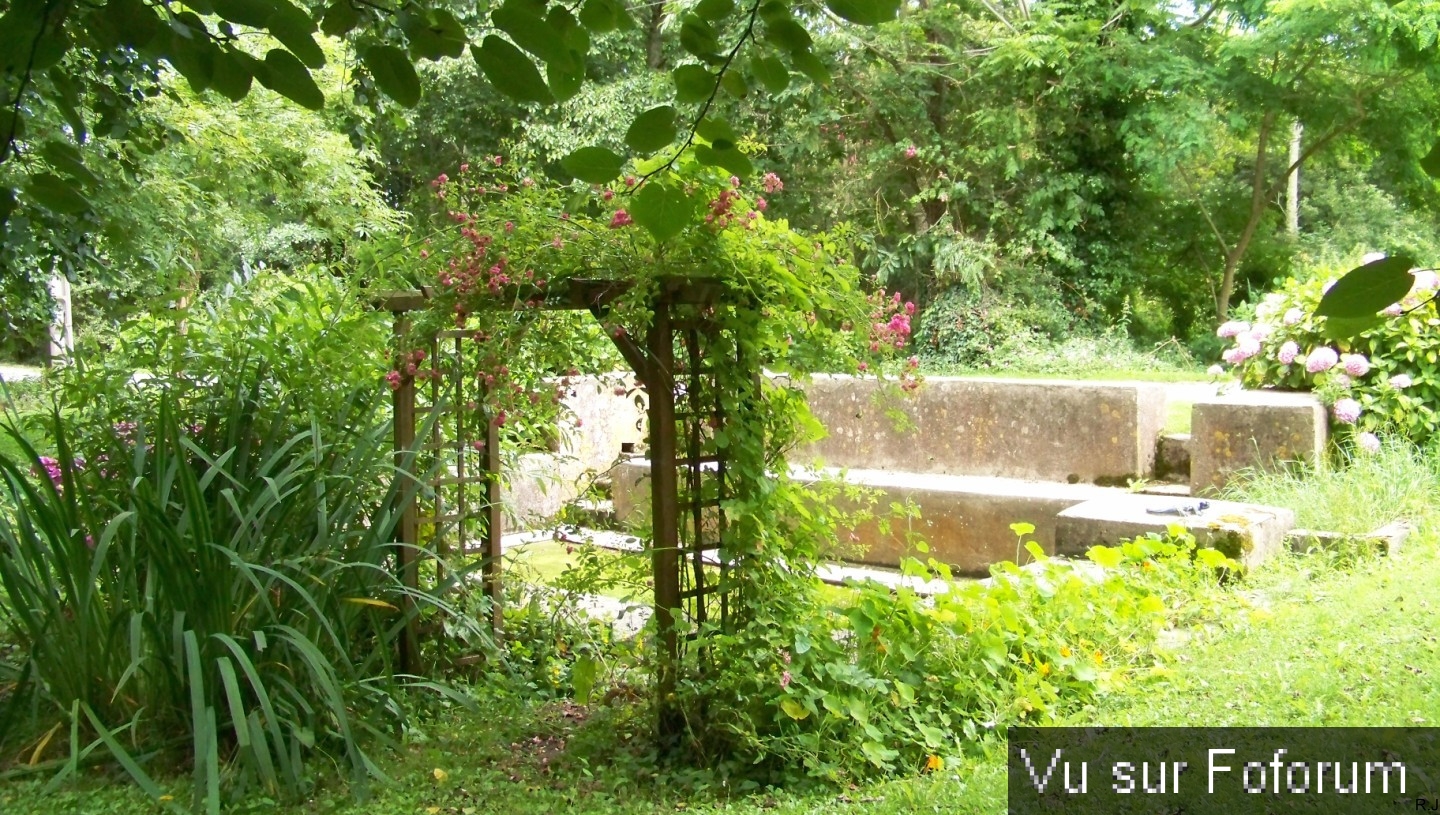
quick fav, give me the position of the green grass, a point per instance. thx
(1320, 642)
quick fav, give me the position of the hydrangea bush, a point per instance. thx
(1385, 380)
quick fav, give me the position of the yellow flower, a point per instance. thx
(1099, 657)
(440, 775)
(1044, 669)
(934, 763)
(1065, 651)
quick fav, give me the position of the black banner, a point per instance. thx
(1224, 770)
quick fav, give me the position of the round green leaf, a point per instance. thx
(565, 78)
(699, 38)
(595, 165)
(510, 71)
(294, 29)
(56, 194)
(393, 73)
(1431, 163)
(771, 73)
(662, 210)
(730, 159)
(715, 10)
(865, 12)
(285, 75)
(528, 30)
(433, 34)
(1364, 291)
(788, 35)
(232, 75)
(340, 19)
(693, 83)
(135, 23)
(734, 84)
(652, 130)
(715, 130)
(599, 16)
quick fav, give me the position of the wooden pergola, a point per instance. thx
(675, 362)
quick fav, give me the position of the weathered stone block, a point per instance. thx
(1252, 429)
(1172, 457)
(1245, 532)
(1090, 432)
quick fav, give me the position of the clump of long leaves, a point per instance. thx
(219, 590)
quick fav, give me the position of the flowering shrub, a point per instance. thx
(1385, 380)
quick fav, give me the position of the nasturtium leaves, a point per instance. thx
(661, 209)
(393, 73)
(294, 29)
(715, 10)
(528, 30)
(510, 71)
(1366, 290)
(232, 77)
(729, 158)
(285, 75)
(254, 13)
(340, 18)
(595, 165)
(693, 83)
(771, 73)
(56, 194)
(652, 130)
(865, 12)
(1431, 163)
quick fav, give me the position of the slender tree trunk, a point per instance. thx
(1257, 212)
(654, 56)
(1292, 192)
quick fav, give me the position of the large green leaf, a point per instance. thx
(716, 131)
(295, 30)
(598, 15)
(1431, 163)
(135, 24)
(191, 50)
(510, 71)
(865, 12)
(698, 37)
(393, 73)
(693, 83)
(434, 34)
(771, 73)
(1344, 328)
(595, 165)
(254, 13)
(788, 35)
(1368, 289)
(565, 78)
(715, 10)
(729, 158)
(285, 75)
(528, 30)
(66, 159)
(67, 98)
(652, 130)
(56, 194)
(663, 210)
(340, 18)
(232, 76)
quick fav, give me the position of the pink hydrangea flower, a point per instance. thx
(1340, 380)
(1248, 345)
(1369, 442)
(1234, 328)
(772, 183)
(1288, 352)
(1355, 364)
(1347, 411)
(1232, 356)
(1425, 280)
(1401, 381)
(1321, 359)
(1293, 316)
(1393, 310)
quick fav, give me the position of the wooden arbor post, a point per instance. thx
(688, 486)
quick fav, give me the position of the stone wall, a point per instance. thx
(1059, 431)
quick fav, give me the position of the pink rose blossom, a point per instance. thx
(1347, 411)
(1321, 359)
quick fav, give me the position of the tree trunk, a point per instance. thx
(654, 56)
(1257, 211)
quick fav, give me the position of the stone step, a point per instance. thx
(1245, 532)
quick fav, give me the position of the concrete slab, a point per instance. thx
(965, 520)
(1045, 430)
(1253, 429)
(1245, 532)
